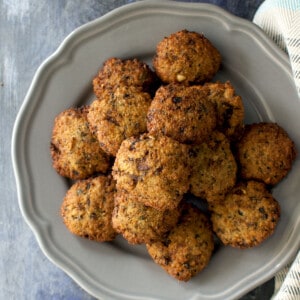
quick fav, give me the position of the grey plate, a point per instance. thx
(260, 73)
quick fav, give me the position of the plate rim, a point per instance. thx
(20, 166)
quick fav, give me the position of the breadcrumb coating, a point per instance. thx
(182, 113)
(265, 152)
(139, 223)
(87, 208)
(75, 150)
(117, 72)
(187, 248)
(247, 216)
(214, 168)
(229, 107)
(186, 57)
(154, 170)
(119, 114)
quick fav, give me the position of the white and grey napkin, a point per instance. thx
(280, 19)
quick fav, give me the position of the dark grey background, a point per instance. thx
(31, 30)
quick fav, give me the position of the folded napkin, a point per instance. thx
(287, 282)
(280, 19)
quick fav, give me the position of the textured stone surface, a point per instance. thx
(31, 30)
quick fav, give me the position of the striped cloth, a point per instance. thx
(287, 282)
(280, 19)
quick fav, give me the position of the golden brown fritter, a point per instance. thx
(187, 248)
(265, 153)
(182, 113)
(186, 57)
(75, 151)
(214, 169)
(87, 208)
(119, 114)
(247, 216)
(116, 72)
(139, 223)
(230, 109)
(154, 170)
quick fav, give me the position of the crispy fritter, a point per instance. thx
(187, 248)
(214, 169)
(265, 153)
(247, 216)
(116, 72)
(87, 208)
(75, 151)
(230, 109)
(186, 57)
(119, 114)
(139, 223)
(182, 113)
(154, 170)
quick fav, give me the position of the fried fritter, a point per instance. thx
(87, 208)
(182, 113)
(119, 114)
(247, 216)
(230, 109)
(186, 57)
(187, 248)
(139, 223)
(265, 152)
(116, 72)
(154, 170)
(75, 151)
(214, 169)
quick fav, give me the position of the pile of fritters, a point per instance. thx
(152, 138)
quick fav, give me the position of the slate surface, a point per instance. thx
(31, 30)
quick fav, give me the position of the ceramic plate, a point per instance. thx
(260, 73)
